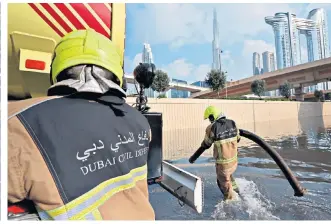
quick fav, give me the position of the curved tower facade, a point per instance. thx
(287, 39)
(320, 38)
(307, 27)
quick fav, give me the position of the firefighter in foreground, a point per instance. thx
(81, 152)
(224, 134)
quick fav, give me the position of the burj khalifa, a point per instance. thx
(216, 44)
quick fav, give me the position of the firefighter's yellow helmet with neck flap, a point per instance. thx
(86, 47)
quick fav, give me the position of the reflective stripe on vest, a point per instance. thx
(94, 215)
(86, 206)
(226, 161)
(218, 144)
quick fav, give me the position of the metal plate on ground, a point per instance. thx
(185, 186)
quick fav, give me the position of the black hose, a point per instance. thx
(298, 190)
(196, 155)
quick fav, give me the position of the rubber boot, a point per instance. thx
(234, 185)
(225, 195)
(219, 186)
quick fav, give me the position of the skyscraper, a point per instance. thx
(268, 59)
(256, 63)
(319, 37)
(216, 44)
(287, 39)
(147, 56)
(307, 27)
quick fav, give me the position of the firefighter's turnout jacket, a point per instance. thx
(78, 158)
(225, 136)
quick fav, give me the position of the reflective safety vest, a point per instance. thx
(79, 159)
(225, 136)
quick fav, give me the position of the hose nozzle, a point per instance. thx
(301, 192)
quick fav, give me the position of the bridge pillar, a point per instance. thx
(299, 93)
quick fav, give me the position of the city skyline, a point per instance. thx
(191, 58)
(286, 26)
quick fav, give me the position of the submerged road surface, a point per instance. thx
(266, 193)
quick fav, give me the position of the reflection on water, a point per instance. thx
(308, 154)
(267, 195)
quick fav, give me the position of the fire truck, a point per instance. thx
(35, 28)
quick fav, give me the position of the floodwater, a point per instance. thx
(266, 194)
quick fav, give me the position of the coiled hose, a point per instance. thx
(298, 190)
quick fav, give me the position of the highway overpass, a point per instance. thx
(173, 85)
(299, 76)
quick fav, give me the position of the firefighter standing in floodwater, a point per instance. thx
(224, 134)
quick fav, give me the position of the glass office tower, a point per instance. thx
(321, 40)
(268, 59)
(147, 56)
(177, 93)
(200, 84)
(318, 40)
(287, 41)
(256, 63)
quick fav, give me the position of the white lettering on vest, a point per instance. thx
(98, 165)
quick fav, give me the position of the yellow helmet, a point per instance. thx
(211, 110)
(86, 47)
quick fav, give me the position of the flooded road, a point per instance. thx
(266, 194)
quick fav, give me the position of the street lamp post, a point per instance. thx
(226, 90)
(220, 60)
(226, 87)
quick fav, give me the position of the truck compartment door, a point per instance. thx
(29, 65)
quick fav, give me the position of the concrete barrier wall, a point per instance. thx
(327, 109)
(184, 127)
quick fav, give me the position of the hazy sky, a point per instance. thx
(181, 35)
